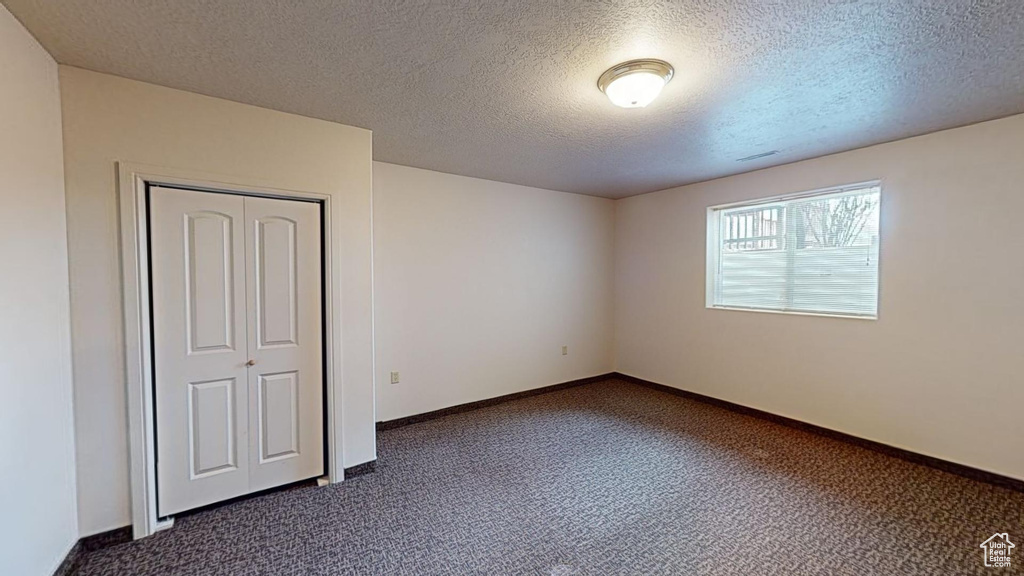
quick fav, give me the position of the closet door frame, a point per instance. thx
(134, 181)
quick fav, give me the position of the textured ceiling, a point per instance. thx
(506, 90)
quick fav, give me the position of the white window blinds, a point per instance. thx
(816, 253)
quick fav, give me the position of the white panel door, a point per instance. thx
(237, 333)
(200, 347)
(283, 271)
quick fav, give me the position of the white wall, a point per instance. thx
(478, 284)
(38, 523)
(109, 119)
(938, 373)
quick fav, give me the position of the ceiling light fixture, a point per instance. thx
(636, 83)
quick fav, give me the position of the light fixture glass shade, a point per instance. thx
(635, 90)
(636, 83)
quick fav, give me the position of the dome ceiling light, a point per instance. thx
(636, 83)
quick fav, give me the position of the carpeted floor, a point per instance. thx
(606, 478)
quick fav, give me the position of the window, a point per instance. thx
(812, 253)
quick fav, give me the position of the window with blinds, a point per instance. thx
(810, 253)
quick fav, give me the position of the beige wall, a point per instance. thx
(109, 119)
(38, 523)
(939, 372)
(478, 284)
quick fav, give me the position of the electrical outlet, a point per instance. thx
(394, 377)
(565, 350)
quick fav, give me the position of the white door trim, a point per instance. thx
(132, 181)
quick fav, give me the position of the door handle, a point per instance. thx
(250, 363)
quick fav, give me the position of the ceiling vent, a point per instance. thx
(756, 156)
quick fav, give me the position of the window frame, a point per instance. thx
(714, 246)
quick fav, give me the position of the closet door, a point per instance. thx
(197, 250)
(285, 380)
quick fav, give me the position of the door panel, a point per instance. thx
(209, 290)
(276, 273)
(283, 267)
(211, 422)
(279, 416)
(197, 250)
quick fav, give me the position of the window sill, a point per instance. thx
(793, 312)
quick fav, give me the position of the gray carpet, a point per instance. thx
(606, 478)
